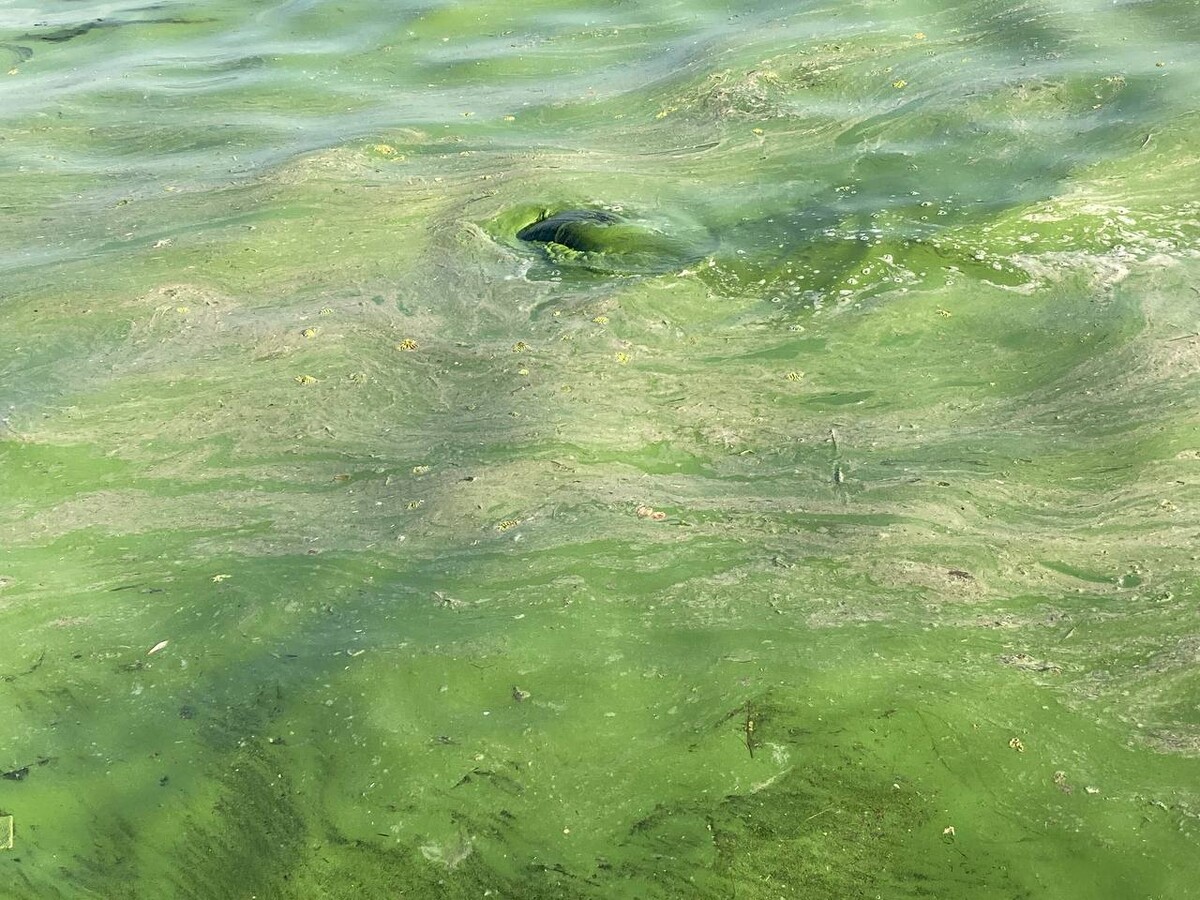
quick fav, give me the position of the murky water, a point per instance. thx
(822, 523)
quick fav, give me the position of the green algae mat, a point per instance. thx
(810, 510)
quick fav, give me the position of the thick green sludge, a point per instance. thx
(841, 545)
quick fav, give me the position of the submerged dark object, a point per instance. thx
(578, 229)
(59, 35)
(21, 773)
(598, 241)
(20, 54)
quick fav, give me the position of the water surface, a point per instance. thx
(831, 533)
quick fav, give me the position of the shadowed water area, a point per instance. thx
(810, 510)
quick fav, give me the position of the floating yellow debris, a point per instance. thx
(217, 579)
(310, 333)
(305, 379)
(507, 524)
(420, 470)
(899, 84)
(600, 320)
(1017, 744)
(920, 36)
(623, 358)
(649, 512)
(520, 347)
(794, 376)
(407, 344)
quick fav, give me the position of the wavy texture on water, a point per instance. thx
(827, 532)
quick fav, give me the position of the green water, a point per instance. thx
(828, 529)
